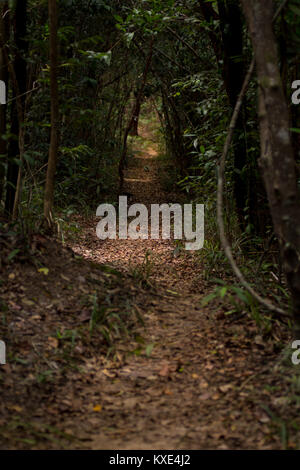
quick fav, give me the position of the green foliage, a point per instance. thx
(103, 46)
(141, 273)
(109, 322)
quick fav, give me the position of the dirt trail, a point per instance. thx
(193, 378)
(202, 385)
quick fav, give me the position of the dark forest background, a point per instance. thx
(78, 73)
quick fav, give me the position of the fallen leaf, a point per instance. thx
(164, 372)
(203, 384)
(53, 342)
(216, 396)
(27, 302)
(111, 375)
(225, 388)
(97, 408)
(130, 403)
(204, 396)
(44, 271)
(264, 419)
(36, 317)
(16, 408)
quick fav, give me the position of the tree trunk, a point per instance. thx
(277, 158)
(19, 79)
(53, 150)
(4, 33)
(210, 15)
(18, 76)
(136, 114)
(228, 48)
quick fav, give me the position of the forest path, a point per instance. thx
(192, 378)
(196, 380)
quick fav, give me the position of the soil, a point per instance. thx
(159, 371)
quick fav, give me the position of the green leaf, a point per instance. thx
(129, 38)
(223, 292)
(295, 9)
(12, 254)
(149, 349)
(208, 298)
(118, 18)
(44, 271)
(241, 294)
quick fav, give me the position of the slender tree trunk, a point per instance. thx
(228, 48)
(12, 167)
(209, 15)
(233, 72)
(18, 76)
(19, 79)
(277, 158)
(53, 150)
(4, 33)
(135, 126)
(136, 114)
(178, 139)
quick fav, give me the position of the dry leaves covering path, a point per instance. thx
(193, 378)
(197, 381)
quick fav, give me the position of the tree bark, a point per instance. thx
(228, 48)
(210, 15)
(277, 158)
(136, 114)
(4, 33)
(53, 150)
(18, 76)
(233, 72)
